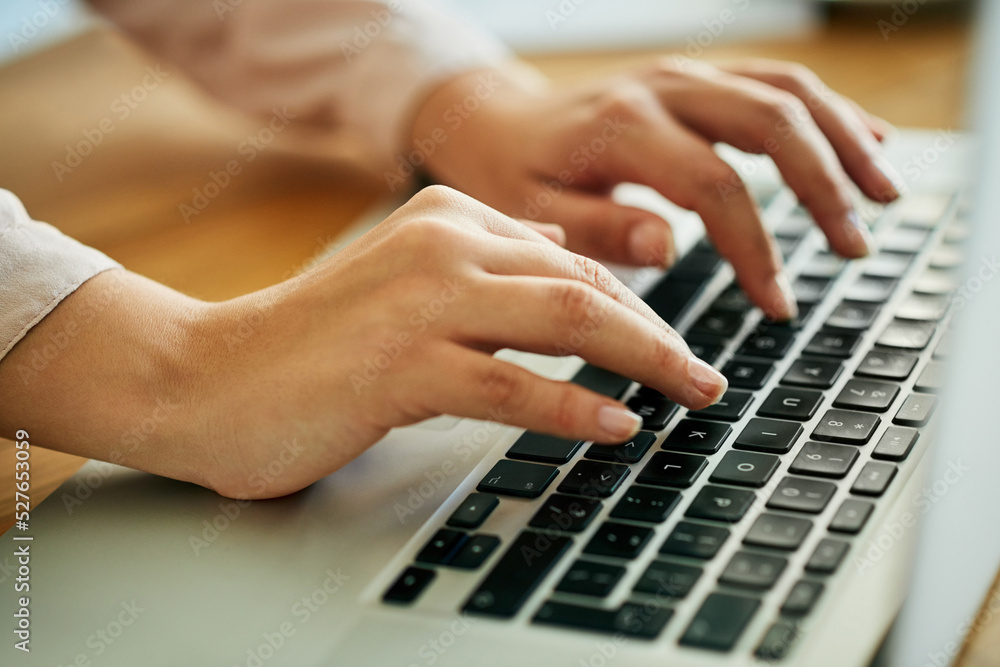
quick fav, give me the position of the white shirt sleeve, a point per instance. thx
(357, 66)
(39, 267)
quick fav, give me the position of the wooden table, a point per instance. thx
(283, 208)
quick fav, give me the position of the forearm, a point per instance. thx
(113, 373)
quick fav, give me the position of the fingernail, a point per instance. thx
(861, 238)
(709, 382)
(618, 423)
(893, 177)
(649, 246)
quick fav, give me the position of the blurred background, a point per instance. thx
(545, 26)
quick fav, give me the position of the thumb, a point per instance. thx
(598, 227)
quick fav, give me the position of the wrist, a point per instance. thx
(470, 116)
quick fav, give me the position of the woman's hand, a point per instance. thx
(398, 327)
(556, 156)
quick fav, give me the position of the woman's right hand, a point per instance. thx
(399, 327)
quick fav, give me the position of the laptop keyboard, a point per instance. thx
(821, 416)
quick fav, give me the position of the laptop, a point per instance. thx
(832, 509)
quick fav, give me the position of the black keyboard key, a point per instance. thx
(731, 407)
(753, 570)
(409, 585)
(852, 316)
(747, 374)
(799, 494)
(602, 381)
(516, 478)
(618, 540)
(476, 551)
(791, 403)
(915, 410)
(777, 642)
(870, 289)
(631, 620)
(671, 298)
(866, 395)
(732, 300)
(670, 469)
(530, 557)
(646, 503)
(906, 335)
(851, 517)
(705, 349)
(832, 344)
(671, 580)
(589, 578)
(799, 321)
(821, 459)
(695, 540)
(627, 452)
(810, 290)
(815, 373)
(700, 437)
(827, 556)
(887, 365)
(874, 479)
(932, 378)
(473, 510)
(768, 435)
(717, 323)
(698, 264)
(543, 448)
(442, 547)
(745, 469)
(770, 341)
(895, 444)
(776, 531)
(594, 478)
(846, 426)
(802, 598)
(719, 622)
(655, 412)
(721, 503)
(569, 514)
